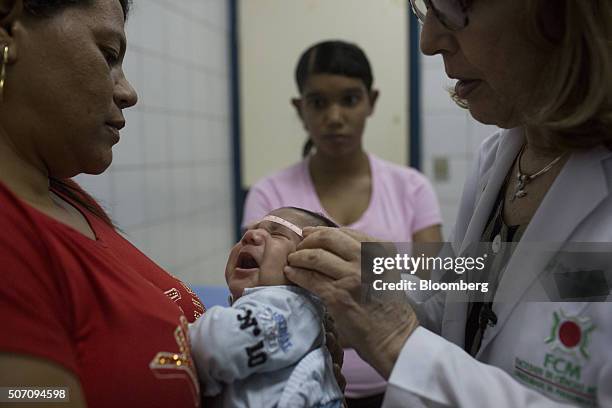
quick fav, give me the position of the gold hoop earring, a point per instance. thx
(5, 54)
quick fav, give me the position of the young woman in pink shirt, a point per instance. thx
(340, 180)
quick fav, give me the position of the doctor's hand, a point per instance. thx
(328, 263)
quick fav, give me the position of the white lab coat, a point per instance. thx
(521, 362)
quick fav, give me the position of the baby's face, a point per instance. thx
(259, 257)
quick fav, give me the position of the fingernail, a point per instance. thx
(288, 270)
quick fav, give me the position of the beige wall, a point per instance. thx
(273, 34)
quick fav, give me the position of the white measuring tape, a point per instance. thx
(284, 223)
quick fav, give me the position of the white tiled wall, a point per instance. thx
(448, 132)
(169, 187)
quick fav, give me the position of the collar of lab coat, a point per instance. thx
(579, 188)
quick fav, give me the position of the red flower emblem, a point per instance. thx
(570, 334)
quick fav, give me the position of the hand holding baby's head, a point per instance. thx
(259, 257)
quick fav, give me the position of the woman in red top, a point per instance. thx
(79, 306)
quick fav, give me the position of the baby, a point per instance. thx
(267, 349)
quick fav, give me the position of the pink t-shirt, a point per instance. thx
(402, 203)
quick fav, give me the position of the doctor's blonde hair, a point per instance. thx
(574, 103)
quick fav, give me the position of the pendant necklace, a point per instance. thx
(523, 179)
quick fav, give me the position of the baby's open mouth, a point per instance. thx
(246, 261)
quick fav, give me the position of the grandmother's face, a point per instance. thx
(66, 89)
(494, 60)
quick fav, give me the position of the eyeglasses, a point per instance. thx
(451, 13)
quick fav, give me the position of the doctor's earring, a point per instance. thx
(5, 56)
(230, 299)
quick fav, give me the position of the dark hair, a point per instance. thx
(332, 57)
(68, 187)
(46, 8)
(318, 216)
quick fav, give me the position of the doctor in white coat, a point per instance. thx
(541, 70)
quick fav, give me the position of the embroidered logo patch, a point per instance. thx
(570, 334)
(561, 372)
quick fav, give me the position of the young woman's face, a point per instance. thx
(65, 88)
(493, 58)
(334, 110)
